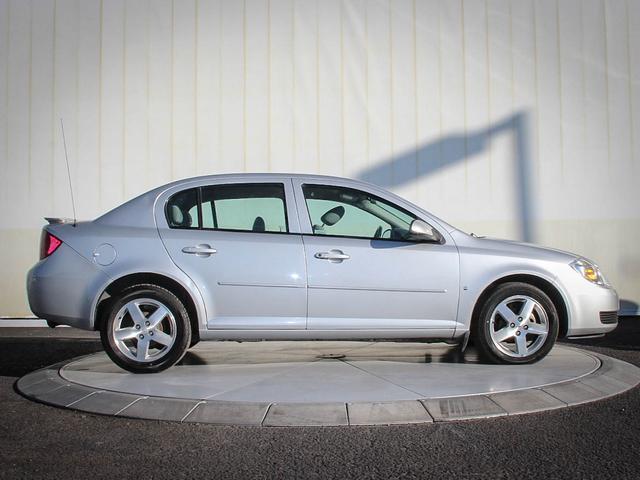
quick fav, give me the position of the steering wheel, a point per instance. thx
(378, 232)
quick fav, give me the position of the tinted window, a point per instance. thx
(258, 207)
(182, 209)
(347, 212)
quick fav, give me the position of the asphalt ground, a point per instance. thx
(599, 440)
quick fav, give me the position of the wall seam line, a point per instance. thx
(123, 161)
(464, 100)
(30, 90)
(606, 77)
(100, 93)
(630, 87)
(559, 65)
(196, 136)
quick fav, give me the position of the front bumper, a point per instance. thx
(589, 310)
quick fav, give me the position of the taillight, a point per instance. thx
(48, 244)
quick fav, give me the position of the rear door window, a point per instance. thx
(257, 207)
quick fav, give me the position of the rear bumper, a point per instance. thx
(62, 287)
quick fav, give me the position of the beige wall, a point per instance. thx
(508, 118)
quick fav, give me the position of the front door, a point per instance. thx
(235, 241)
(363, 273)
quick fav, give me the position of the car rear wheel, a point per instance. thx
(517, 324)
(146, 330)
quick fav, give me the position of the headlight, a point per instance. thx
(590, 271)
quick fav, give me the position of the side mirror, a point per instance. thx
(421, 231)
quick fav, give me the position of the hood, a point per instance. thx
(511, 247)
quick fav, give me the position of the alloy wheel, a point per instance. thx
(144, 330)
(519, 326)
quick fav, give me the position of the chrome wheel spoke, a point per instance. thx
(162, 338)
(502, 334)
(527, 310)
(142, 350)
(536, 329)
(521, 344)
(125, 334)
(157, 317)
(506, 312)
(136, 314)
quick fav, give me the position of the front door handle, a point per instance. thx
(335, 256)
(202, 250)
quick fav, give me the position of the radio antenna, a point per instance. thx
(66, 157)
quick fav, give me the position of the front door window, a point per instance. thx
(345, 212)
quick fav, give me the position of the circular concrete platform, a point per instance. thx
(330, 383)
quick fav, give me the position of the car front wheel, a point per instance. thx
(147, 329)
(517, 324)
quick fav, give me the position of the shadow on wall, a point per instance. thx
(452, 149)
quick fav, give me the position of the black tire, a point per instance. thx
(495, 352)
(167, 355)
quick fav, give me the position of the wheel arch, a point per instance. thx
(120, 284)
(543, 284)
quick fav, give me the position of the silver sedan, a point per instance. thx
(300, 257)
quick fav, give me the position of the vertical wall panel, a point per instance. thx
(618, 99)
(66, 105)
(88, 108)
(595, 158)
(5, 45)
(281, 72)
(354, 83)
(477, 107)
(18, 100)
(550, 165)
(112, 105)
(209, 44)
(233, 97)
(524, 152)
(160, 70)
(305, 86)
(501, 189)
(403, 91)
(330, 77)
(633, 40)
(43, 119)
(429, 105)
(572, 93)
(257, 86)
(379, 94)
(454, 159)
(184, 81)
(136, 99)
(12, 301)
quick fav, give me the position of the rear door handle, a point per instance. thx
(332, 255)
(202, 250)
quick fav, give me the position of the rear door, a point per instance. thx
(239, 243)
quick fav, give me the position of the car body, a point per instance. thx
(324, 258)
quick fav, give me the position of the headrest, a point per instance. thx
(258, 225)
(178, 217)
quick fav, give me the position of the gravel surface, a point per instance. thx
(598, 440)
